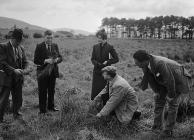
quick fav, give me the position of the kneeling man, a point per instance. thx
(122, 100)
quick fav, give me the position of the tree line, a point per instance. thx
(167, 27)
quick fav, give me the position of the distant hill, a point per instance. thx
(73, 31)
(7, 23)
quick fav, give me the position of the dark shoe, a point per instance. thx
(165, 134)
(53, 109)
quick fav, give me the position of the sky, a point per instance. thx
(88, 14)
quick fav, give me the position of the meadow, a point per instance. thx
(73, 94)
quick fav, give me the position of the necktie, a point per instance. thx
(49, 48)
(16, 53)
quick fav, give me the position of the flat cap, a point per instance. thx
(111, 69)
(17, 34)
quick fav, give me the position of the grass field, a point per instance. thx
(73, 94)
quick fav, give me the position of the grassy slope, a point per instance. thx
(72, 122)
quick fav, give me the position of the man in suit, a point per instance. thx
(122, 101)
(12, 64)
(103, 55)
(46, 58)
(169, 80)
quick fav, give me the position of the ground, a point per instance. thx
(73, 95)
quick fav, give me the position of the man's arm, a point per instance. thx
(168, 78)
(93, 59)
(144, 82)
(38, 59)
(98, 97)
(59, 57)
(115, 98)
(3, 64)
(114, 56)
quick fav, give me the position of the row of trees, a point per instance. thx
(151, 27)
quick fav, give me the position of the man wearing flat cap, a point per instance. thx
(103, 55)
(47, 58)
(12, 64)
(122, 100)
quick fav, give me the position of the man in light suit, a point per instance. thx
(12, 64)
(168, 79)
(122, 100)
(47, 58)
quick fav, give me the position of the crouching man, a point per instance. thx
(121, 100)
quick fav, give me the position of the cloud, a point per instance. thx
(87, 14)
(21, 8)
(143, 8)
(5, 1)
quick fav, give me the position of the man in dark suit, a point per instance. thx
(12, 64)
(46, 58)
(168, 79)
(103, 55)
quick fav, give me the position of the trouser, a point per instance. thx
(172, 108)
(4, 96)
(17, 99)
(46, 87)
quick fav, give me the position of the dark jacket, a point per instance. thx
(171, 76)
(101, 54)
(42, 53)
(8, 63)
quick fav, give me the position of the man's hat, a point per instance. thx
(17, 34)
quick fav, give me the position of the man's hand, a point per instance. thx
(49, 61)
(27, 71)
(18, 71)
(56, 60)
(105, 62)
(98, 115)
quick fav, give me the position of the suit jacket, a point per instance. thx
(122, 100)
(169, 74)
(8, 63)
(101, 54)
(42, 53)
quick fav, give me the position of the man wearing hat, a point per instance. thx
(47, 58)
(168, 79)
(122, 99)
(12, 64)
(103, 55)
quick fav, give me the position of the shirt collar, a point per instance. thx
(47, 45)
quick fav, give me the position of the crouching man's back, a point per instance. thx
(129, 102)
